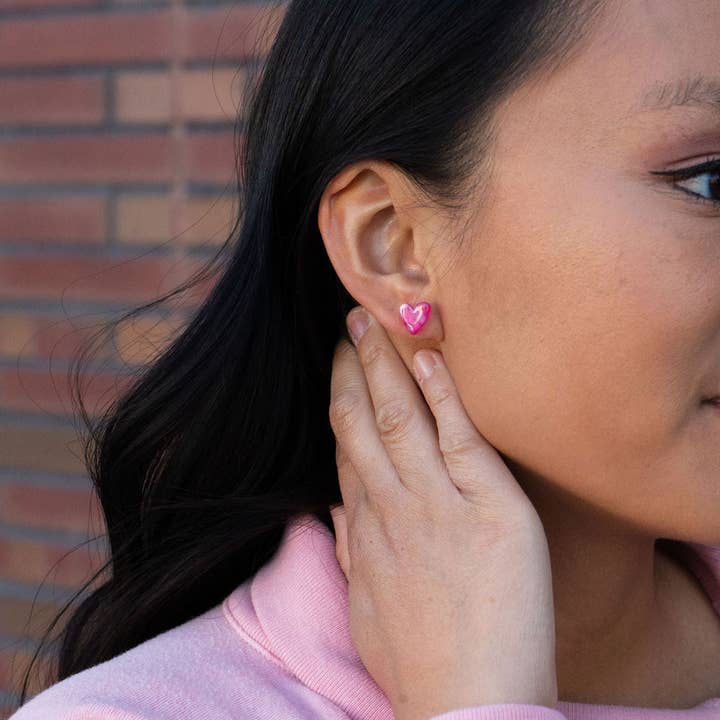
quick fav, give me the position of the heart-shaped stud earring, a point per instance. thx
(415, 316)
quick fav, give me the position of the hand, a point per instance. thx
(448, 568)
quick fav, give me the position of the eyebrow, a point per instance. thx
(693, 91)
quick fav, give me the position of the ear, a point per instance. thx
(379, 240)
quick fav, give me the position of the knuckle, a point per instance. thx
(379, 500)
(343, 347)
(457, 446)
(442, 395)
(340, 456)
(344, 408)
(373, 354)
(393, 419)
(341, 354)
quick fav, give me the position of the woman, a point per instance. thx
(533, 531)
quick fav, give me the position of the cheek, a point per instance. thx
(596, 403)
(583, 343)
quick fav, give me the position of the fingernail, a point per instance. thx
(424, 363)
(357, 323)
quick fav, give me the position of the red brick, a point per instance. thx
(19, 618)
(41, 391)
(53, 337)
(209, 219)
(86, 158)
(151, 219)
(56, 508)
(110, 37)
(35, 562)
(141, 339)
(81, 277)
(74, 219)
(142, 96)
(16, 333)
(231, 32)
(35, 4)
(226, 33)
(13, 665)
(144, 218)
(211, 156)
(212, 95)
(43, 448)
(43, 100)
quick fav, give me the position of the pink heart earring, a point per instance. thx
(415, 316)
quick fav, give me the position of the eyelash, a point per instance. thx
(711, 167)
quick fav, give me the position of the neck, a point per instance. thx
(611, 591)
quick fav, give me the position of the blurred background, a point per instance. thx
(117, 183)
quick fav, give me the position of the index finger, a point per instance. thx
(403, 421)
(474, 465)
(353, 422)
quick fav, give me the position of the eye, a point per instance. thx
(702, 180)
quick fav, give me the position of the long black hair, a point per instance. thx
(224, 436)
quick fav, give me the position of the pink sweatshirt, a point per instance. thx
(279, 646)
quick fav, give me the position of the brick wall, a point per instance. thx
(117, 181)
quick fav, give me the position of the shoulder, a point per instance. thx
(198, 670)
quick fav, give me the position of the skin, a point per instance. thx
(580, 321)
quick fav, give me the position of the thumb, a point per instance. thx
(339, 519)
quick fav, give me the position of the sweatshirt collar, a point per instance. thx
(295, 612)
(295, 609)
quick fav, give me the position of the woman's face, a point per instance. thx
(583, 325)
